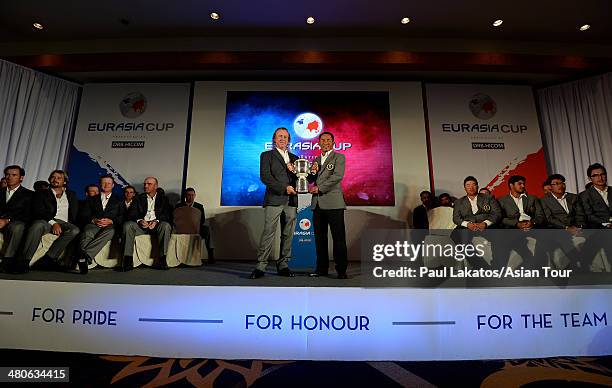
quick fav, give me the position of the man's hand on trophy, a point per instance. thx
(315, 168)
(314, 190)
(290, 167)
(291, 190)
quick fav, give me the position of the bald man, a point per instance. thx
(149, 213)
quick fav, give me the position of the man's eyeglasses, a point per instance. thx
(598, 175)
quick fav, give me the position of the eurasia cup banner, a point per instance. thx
(130, 131)
(488, 131)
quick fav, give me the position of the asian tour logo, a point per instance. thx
(305, 224)
(133, 105)
(308, 125)
(483, 106)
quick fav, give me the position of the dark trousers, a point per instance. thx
(334, 219)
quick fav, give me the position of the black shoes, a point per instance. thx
(211, 256)
(286, 272)
(256, 274)
(13, 265)
(160, 264)
(342, 275)
(317, 274)
(127, 264)
(83, 268)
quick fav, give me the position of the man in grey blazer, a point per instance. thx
(597, 205)
(563, 213)
(475, 212)
(328, 206)
(280, 203)
(521, 211)
(597, 199)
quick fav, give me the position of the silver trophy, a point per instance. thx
(302, 169)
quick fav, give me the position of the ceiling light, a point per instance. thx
(585, 27)
(215, 16)
(310, 20)
(38, 26)
(498, 23)
(405, 20)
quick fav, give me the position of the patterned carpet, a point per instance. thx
(88, 370)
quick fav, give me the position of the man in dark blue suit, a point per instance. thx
(280, 203)
(101, 215)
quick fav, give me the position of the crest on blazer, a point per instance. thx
(486, 207)
(330, 166)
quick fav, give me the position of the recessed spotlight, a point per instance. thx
(585, 27)
(498, 23)
(38, 26)
(215, 16)
(310, 20)
(405, 20)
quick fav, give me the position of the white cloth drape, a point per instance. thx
(576, 120)
(37, 112)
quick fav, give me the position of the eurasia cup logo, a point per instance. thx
(305, 224)
(308, 125)
(133, 105)
(483, 106)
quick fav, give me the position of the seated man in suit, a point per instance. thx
(149, 214)
(189, 200)
(475, 211)
(563, 211)
(597, 199)
(102, 213)
(521, 211)
(596, 202)
(15, 202)
(419, 214)
(129, 193)
(54, 211)
(280, 203)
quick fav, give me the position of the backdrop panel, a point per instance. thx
(488, 131)
(130, 131)
(357, 119)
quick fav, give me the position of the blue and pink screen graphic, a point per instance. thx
(359, 121)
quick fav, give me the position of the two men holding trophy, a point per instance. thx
(282, 173)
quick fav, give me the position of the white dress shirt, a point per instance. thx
(9, 193)
(563, 202)
(284, 154)
(324, 157)
(104, 199)
(150, 216)
(62, 208)
(519, 203)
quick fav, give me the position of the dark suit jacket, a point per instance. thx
(274, 174)
(531, 206)
(419, 218)
(44, 206)
(488, 210)
(595, 209)
(93, 209)
(557, 218)
(198, 206)
(19, 207)
(139, 206)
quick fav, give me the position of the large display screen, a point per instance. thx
(359, 121)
